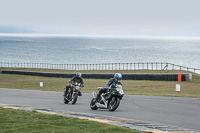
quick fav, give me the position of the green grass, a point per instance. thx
(95, 71)
(19, 121)
(133, 87)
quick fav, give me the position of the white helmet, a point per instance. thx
(118, 76)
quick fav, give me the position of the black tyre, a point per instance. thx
(75, 98)
(92, 104)
(65, 95)
(113, 103)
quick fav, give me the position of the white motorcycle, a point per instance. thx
(108, 100)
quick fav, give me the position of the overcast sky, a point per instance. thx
(101, 17)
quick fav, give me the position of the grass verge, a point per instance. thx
(133, 87)
(19, 121)
(95, 71)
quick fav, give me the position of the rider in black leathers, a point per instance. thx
(74, 79)
(111, 83)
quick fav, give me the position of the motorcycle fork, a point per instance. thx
(71, 92)
(112, 100)
(74, 92)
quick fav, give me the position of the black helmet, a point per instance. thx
(78, 74)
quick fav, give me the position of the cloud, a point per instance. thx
(15, 29)
(130, 17)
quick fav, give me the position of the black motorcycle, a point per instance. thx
(72, 93)
(108, 100)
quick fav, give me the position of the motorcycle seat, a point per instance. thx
(99, 88)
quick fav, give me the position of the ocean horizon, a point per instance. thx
(99, 36)
(86, 49)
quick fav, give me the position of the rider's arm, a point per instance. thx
(82, 82)
(109, 83)
(72, 80)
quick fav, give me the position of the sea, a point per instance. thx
(86, 50)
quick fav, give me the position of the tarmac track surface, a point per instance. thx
(172, 111)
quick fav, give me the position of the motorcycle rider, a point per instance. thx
(111, 83)
(77, 78)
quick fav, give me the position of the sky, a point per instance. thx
(101, 17)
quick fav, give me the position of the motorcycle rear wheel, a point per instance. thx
(113, 103)
(92, 104)
(66, 101)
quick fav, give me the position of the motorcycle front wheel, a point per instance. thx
(75, 98)
(92, 104)
(113, 103)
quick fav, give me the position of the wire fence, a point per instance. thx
(102, 66)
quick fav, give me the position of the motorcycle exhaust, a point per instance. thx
(101, 106)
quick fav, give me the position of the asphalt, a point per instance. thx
(171, 111)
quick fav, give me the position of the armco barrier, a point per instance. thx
(126, 76)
